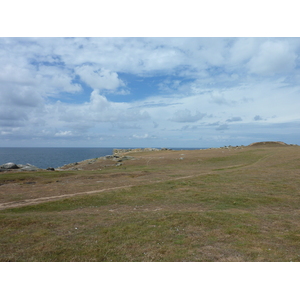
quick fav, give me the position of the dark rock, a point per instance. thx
(50, 169)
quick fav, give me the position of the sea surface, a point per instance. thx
(54, 157)
(50, 157)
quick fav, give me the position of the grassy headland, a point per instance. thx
(226, 204)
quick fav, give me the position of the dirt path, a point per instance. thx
(20, 203)
(53, 198)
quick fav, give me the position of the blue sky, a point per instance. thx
(148, 92)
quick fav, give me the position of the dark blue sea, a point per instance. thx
(54, 157)
(50, 157)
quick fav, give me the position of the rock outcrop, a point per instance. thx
(9, 166)
(29, 167)
(13, 166)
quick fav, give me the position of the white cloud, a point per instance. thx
(56, 79)
(63, 133)
(144, 136)
(242, 50)
(44, 93)
(99, 78)
(96, 114)
(98, 103)
(186, 116)
(273, 57)
(219, 98)
(20, 95)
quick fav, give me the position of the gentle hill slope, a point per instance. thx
(268, 144)
(233, 204)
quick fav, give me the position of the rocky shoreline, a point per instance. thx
(20, 167)
(118, 157)
(12, 166)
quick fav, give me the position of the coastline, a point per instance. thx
(157, 205)
(106, 153)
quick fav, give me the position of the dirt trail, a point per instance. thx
(53, 198)
(20, 203)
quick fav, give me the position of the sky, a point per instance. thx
(148, 92)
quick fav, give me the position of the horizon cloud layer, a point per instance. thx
(148, 92)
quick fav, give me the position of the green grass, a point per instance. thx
(151, 236)
(229, 215)
(31, 176)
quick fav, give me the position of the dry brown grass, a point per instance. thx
(103, 174)
(238, 204)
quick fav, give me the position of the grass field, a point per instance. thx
(238, 204)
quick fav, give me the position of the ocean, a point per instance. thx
(54, 157)
(50, 157)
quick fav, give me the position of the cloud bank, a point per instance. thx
(114, 92)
